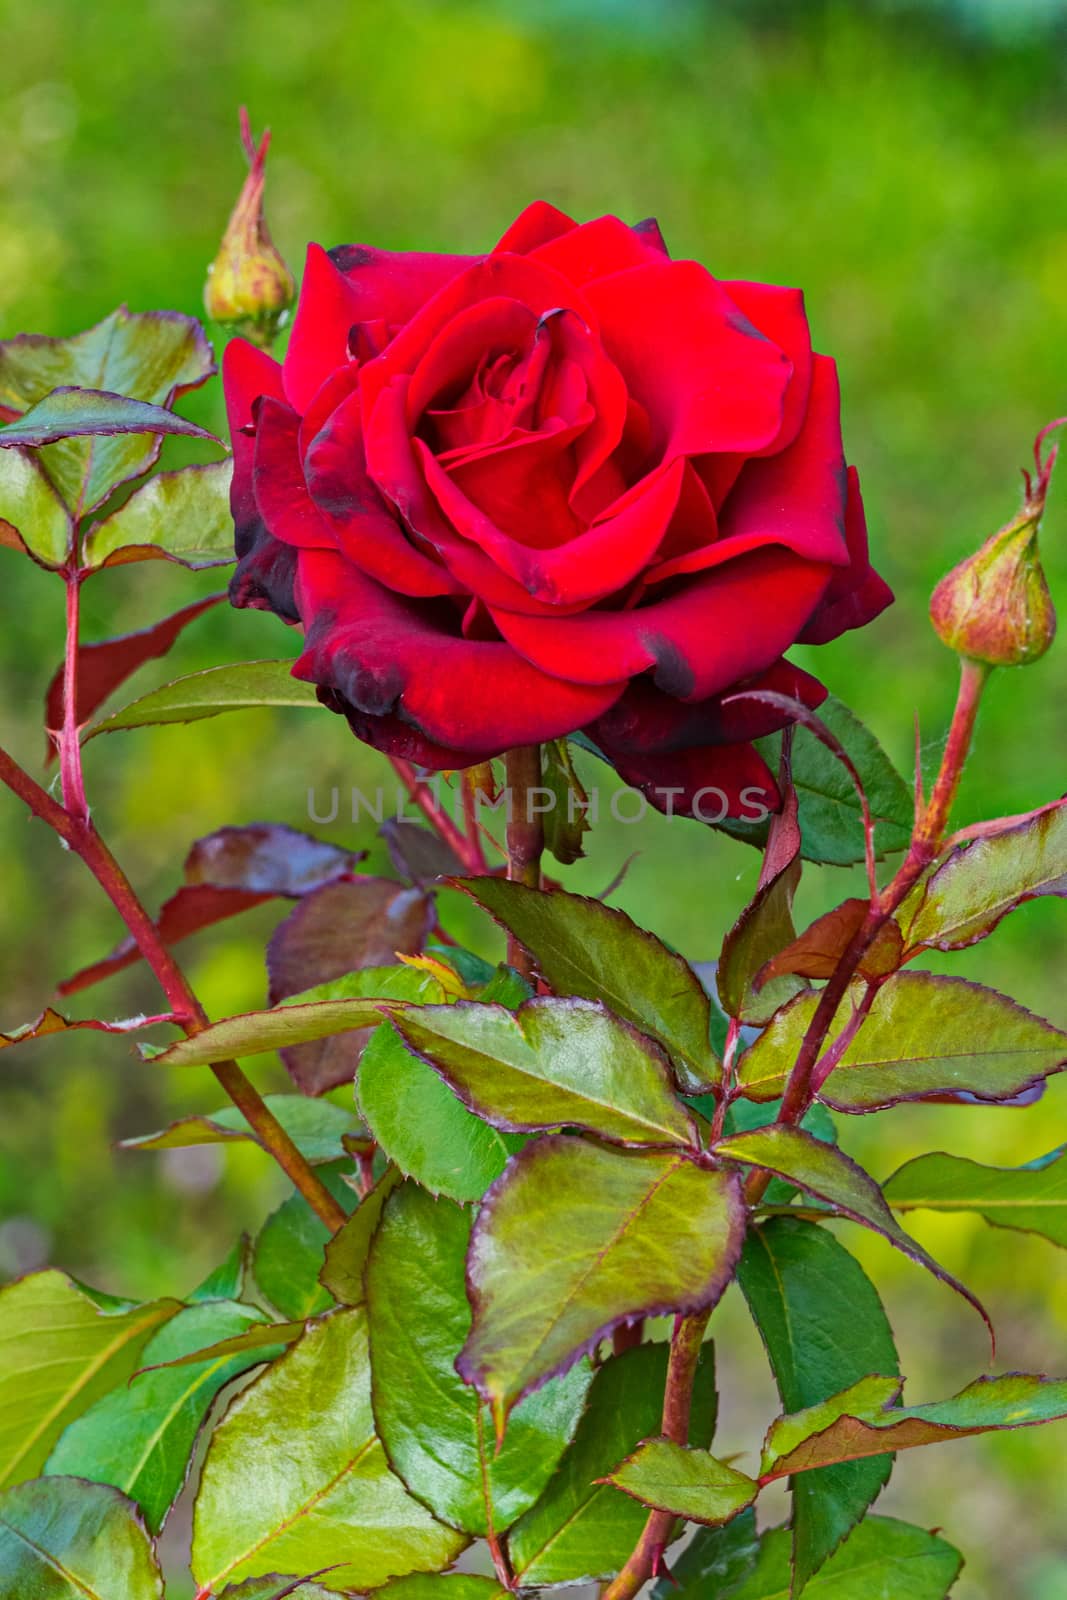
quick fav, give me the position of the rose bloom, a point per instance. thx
(571, 484)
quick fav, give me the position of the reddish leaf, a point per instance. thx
(765, 926)
(418, 854)
(340, 927)
(103, 666)
(816, 952)
(53, 1022)
(227, 872)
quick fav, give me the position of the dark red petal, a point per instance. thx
(726, 624)
(795, 499)
(645, 721)
(857, 595)
(364, 527)
(597, 248)
(535, 226)
(708, 782)
(649, 231)
(278, 479)
(386, 655)
(780, 315)
(706, 377)
(263, 579)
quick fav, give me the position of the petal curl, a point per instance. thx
(857, 595)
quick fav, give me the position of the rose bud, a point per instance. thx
(249, 287)
(995, 607)
(566, 484)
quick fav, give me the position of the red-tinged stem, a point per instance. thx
(926, 844)
(423, 796)
(79, 834)
(70, 766)
(647, 1556)
(526, 833)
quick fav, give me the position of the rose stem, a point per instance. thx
(423, 796)
(526, 834)
(677, 1404)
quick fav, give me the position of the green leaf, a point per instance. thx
(347, 1252)
(32, 510)
(567, 819)
(553, 1063)
(742, 1116)
(975, 888)
(181, 516)
(296, 1479)
(763, 929)
(827, 1173)
(140, 1438)
(358, 1000)
(276, 1587)
(863, 1421)
(582, 1530)
(62, 1351)
(831, 823)
(315, 1126)
(228, 1280)
(1032, 1198)
(713, 1560)
(690, 1483)
(925, 1035)
(72, 413)
(289, 1250)
(824, 1328)
(268, 1337)
(443, 1586)
(62, 1539)
(423, 1127)
(507, 988)
(571, 1242)
(434, 1428)
(585, 948)
(239, 686)
(882, 1558)
(152, 356)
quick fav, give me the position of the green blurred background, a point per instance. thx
(906, 165)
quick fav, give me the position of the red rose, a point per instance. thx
(571, 484)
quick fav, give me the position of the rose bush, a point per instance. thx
(571, 484)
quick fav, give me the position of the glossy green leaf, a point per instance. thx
(315, 1127)
(824, 1328)
(229, 1279)
(582, 1530)
(151, 356)
(1032, 1198)
(63, 1539)
(883, 1560)
(268, 1337)
(926, 1035)
(276, 1587)
(827, 1173)
(762, 930)
(423, 1127)
(181, 516)
(831, 823)
(342, 1274)
(690, 1483)
(975, 888)
(585, 948)
(443, 1586)
(140, 1438)
(288, 1254)
(63, 1349)
(571, 1242)
(296, 1479)
(742, 1116)
(240, 686)
(713, 1561)
(72, 413)
(32, 510)
(435, 1430)
(863, 1421)
(553, 1063)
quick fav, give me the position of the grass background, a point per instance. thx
(907, 165)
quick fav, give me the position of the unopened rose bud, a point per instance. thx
(995, 607)
(249, 287)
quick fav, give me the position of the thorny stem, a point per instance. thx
(647, 1556)
(526, 833)
(469, 851)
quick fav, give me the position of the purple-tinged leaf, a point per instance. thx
(69, 413)
(572, 1241)
(50, 1022)
(32, 516)
(585, 948)
(972, 891)
(417, 853)
(824, 1171)
(1032, 1198)
(865, 1420)
(816, 952)
(689, 1483)
(181, 516)
(103, 666)
(337, 929)
(926, 1036)
(763, 929)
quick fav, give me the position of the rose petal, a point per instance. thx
(278, 479)
(857, 595)
(706, 377)
(263, 579)
(387, 655)
(726, 624)
(594, 249)
(708, 782)
(535, 226)
(645, 722)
